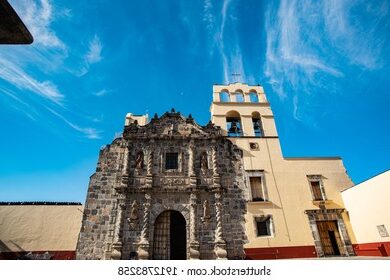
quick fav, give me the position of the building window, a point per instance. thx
(239, 96)
(233, 126)
(224, 96)
(382, 231)
(257, 127)
(317, 188)
(257, 188)
(264, 226)
(171, 161)
(254, 146)
(253, 97)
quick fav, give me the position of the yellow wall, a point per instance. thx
(368, 206)
(285, 179)
(39, 227)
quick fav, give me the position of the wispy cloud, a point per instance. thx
(359, 43)
(18, 77)
(90, 133)
(290, 58)
(208, 16)
(229, 51)
(26, 72)
(92, 56)
(94, 52)
(221, 45)
(23, 107)
(224, 12)
(307, 41)
(101, 92)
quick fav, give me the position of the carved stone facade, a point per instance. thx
(170, 189)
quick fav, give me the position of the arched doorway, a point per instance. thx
(169, 242)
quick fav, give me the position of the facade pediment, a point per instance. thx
(171, 125)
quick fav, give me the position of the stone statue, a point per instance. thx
(133, 218)
(134, 211)
(203, 162)
(139, 161)
(206, 211)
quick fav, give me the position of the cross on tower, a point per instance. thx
(236, 75)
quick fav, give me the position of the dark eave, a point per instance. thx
(12, 29)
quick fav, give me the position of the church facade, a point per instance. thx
(171, 189)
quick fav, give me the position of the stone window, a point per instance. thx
(257, 126)
(233, 124)
(316, 187)
(171, 161)
(382, 231)
(258, 189)
(239, 96)
(224, 96)
(253, 97)
(264, 226)
(254, 146)
(234, 127)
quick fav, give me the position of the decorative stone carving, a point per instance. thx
(125, 177)
(171, 124)
(214, 160)
(116, 253)
(149, 165)
(139, 161)
(173, 181)
(206, 212)
(128, 166)
(133, 218)
(194, 244)
(149, 168)
(203, 162)
(220, 244)
(143, 245)
(216, 177)
(191, 169)
(191, 159)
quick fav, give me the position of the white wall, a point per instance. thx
(368, 205)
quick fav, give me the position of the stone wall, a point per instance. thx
(132, 187)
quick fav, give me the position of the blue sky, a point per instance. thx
(324, 66)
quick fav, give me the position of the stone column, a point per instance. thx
(125, 174)
(194, 244)
(191, 169)
(149, 167)
(214, 163)
(143, 245)
(149, 162)
(116, 249)
(220, 244)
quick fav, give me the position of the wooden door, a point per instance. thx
(330, 238)
(170, 238)
(161, 241)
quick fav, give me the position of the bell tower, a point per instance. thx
(242, 111)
